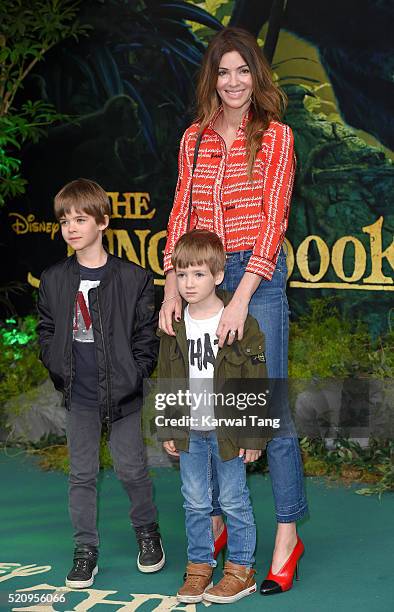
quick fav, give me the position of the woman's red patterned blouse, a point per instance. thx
(245, 214)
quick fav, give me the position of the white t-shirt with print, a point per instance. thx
(202, 345)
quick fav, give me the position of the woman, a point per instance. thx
(241, 189)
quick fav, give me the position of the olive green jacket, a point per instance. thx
(243, 359)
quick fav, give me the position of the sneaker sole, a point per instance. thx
(150, 569)
(224, 600)
(192, 598)
(82, 584)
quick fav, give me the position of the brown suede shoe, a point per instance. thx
(198, 578)
(237, 582)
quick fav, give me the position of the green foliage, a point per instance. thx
(221, 9)
(381, 360)
(17, 127)
(324, 344)
(384, 485)
(12, 334)
(54, 458)
(29, 29)
(20, 368)
(105, 455)
(348, 461)
(315, 103)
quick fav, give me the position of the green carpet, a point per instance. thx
(348, 563)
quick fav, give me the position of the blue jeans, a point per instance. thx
(270, 308)
(196, 474)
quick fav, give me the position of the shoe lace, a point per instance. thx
(148, 545)
(193, 580)
(81, 565)
(228, 582)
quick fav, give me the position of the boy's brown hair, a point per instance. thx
(85, 196)
(199, 247)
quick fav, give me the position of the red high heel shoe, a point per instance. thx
(283, 580)
(220, 542)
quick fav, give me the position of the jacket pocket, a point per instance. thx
(48, 359)
(45, 355)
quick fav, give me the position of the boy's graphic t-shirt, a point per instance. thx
(84, 387)
(202, 344)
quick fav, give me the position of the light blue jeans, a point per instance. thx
(196, 475)
(270, 308)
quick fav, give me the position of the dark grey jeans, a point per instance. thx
(128, 456)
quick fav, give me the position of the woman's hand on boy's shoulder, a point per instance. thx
(169, 309)
(171, 305)
(231, 324)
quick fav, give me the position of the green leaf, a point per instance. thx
(29, 29)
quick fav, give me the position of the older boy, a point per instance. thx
(97, 336)
(199, 259)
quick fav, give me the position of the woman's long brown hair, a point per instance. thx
(268, 100)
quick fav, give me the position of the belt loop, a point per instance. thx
(241, 256)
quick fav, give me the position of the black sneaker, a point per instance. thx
(151, 557)
(85, 567)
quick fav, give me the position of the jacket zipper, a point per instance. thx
(107, 418)
(73, 313)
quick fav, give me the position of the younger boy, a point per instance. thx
(199, 259)
(97, 336)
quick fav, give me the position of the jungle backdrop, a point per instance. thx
(124, 92)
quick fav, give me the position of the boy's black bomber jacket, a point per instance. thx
(124, 322)
(243, 359)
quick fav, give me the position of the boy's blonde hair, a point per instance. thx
(85, 196)
(199, 247)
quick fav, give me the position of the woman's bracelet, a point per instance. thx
(170, 298)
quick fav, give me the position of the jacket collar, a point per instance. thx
(74, 266)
